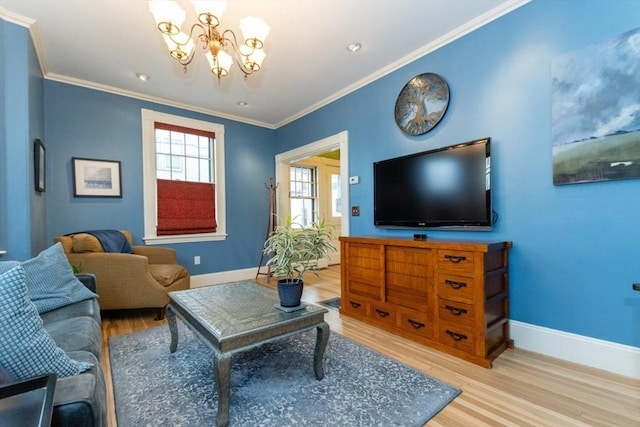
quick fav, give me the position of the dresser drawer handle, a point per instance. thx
(456, 336)
(355, 304)
(415, 324)
(455, 285)
(455, 310)
(455, 259)
(382, 313)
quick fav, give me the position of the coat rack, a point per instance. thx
(272, 223)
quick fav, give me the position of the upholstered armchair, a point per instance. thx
(127, 281)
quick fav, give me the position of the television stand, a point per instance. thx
(449, 295)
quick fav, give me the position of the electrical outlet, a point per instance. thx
(196, 260)
(355, 210)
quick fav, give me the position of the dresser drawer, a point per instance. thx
(355, 306)
(455, 287)
(457, 336)
(383, 315)
(455, 261)
(455, 312)
(416, 322)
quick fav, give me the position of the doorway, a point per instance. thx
(302, 156)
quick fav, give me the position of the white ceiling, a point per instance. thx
(102, 44)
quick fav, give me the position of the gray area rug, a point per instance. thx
(333, 303)
(271, 385)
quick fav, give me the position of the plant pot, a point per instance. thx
(290, 292)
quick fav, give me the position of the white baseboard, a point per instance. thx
(617, 358)
(209, 279)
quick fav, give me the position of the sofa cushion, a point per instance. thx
(87, 308)
(75, 334)
(5, 376)
(167, 274)
(80, 400)
(50, 280)
(85, 242)
(27, 349)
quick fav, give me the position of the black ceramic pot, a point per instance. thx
(290, 292)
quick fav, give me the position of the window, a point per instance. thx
(303, 194)
(178, 153)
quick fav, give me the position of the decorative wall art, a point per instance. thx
(421, 104)
(595, 96)
(39, 165)
(96, 178)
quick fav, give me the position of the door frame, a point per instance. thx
(339, 141)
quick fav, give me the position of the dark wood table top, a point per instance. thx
(234, 316)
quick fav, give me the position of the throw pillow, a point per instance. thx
(50, 280)
(84, 242)
(8, 265)
(27, 349)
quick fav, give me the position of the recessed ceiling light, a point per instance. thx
(142, 76)
(243, 103)
(354, 47)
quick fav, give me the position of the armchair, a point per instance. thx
(127, 281)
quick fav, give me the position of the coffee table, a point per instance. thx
(238, 316)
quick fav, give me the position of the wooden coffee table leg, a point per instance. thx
(173, 328)
(321, 344)
(222, 367)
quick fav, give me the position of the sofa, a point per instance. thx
(139, 279)
(52, 325)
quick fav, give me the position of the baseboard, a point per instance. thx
(617, 358)
(209, 279)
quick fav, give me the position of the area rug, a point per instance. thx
(333, 303)
(271, 385)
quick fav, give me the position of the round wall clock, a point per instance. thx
(422, 103)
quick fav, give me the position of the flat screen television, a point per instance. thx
(447, 188)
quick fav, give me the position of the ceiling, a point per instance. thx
(102, 44)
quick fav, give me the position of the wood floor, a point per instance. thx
(522, 389)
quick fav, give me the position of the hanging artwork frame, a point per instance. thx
(96, 178)
(595, 112)
(39, 165)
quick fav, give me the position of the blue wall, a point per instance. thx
(98, 125)
(22, 210)
(576, 247)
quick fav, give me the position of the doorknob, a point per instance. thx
(636, 286)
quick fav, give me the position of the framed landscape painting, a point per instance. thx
(96, 178)
(595, 112)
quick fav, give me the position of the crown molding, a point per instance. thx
(131, 94)
(450, 37)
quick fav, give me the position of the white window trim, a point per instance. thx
(149, 117)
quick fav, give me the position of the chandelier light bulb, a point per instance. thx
(254, 30)
(168, 15)
(217, 42)
(215, 8)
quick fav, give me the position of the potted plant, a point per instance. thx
(294, 250)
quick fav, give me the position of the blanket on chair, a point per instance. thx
(111, 240)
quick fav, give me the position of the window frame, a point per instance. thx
(149, 117)
(314, 198)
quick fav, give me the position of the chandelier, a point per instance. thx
(169, 17)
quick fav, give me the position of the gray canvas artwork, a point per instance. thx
(595, 97)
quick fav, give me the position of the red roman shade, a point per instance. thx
(186, 207)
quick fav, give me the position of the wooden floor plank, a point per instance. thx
(522, 389)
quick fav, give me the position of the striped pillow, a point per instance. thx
(27, 349)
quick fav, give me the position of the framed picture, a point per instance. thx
(39, 165)
(96, 178)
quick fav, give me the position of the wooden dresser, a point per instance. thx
(450, 295)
